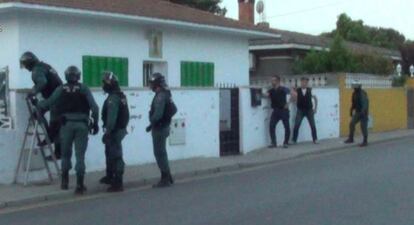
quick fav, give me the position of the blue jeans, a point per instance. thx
(277, 115)
(310, 115)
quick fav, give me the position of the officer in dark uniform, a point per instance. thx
(45, 80)
(160, 127)
(77, 104)
(305, 108)
(359, 113)
(115, 117)
(278, 97)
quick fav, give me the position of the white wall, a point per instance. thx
(255, 121)
(62, 41)
(230, 55)
(202, 130)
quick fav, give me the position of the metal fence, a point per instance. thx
(332, 80)
(369, 81)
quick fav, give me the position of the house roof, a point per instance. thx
(313, 41)
(159, 9)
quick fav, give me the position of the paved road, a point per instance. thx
(374, 186)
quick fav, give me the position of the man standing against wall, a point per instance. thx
(115, 118)
(78, 105)
(278, 97)
(305, 108)
(45, 80)
(359, 113)
(160, 115)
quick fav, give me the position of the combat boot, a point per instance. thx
(364, 143)
(65, 181)
(107, 179)
(349, 141)
(170, 178)
(116, 185)
(164, 182)
(80, 187)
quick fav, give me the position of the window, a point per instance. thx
(197, 74)
(151, 67)
(148, 71)
(93, 66)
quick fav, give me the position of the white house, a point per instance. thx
(195, 50)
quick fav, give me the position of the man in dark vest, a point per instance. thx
(160, 127)
(78, 103)
(359, 113)
(45, 80)
(115, 118)
(278, 98)
(305, 108)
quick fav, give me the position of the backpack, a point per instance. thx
(170, 110)
(123, 113)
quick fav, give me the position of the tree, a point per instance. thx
(356, 31)
(212, 6)
(340, 59)
(407, 51)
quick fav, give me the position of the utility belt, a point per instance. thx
(64, 120)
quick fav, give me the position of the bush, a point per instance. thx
(339, 59)
(399, 81)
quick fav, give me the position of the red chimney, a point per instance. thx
(246, 11)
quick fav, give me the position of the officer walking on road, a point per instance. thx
(160, 115)
(115, 117)
(359, 113)
(305, 108)
(77, 103)
(278, 97)
(46, 81)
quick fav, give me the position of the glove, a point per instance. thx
(106, 138)
(32, 98)
(95, 129)
(148, 129)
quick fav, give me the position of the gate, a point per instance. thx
(229, 122)
(5, 119)
(410, 107)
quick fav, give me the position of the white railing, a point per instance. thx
(369, 81)
(317, 80)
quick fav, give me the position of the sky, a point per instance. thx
(317, 16)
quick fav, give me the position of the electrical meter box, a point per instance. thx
(178, 132)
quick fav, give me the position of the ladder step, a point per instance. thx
(32, 133)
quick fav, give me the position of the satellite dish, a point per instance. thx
(260, 7)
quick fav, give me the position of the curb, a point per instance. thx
(64, 195)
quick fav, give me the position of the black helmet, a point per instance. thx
(157, 80)
(110, 81)
(72, 74)
(28, 60)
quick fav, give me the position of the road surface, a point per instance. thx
(372, 186)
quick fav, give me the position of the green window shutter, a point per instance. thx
(197, 74)
(93, 66)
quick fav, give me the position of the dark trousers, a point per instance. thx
(309, 114)
(53, 128)
(159, 141)
(53, 132)
(363, 119)
(277, 115)
(74, 133)
(115, 164)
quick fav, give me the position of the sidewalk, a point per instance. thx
(138, 176)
